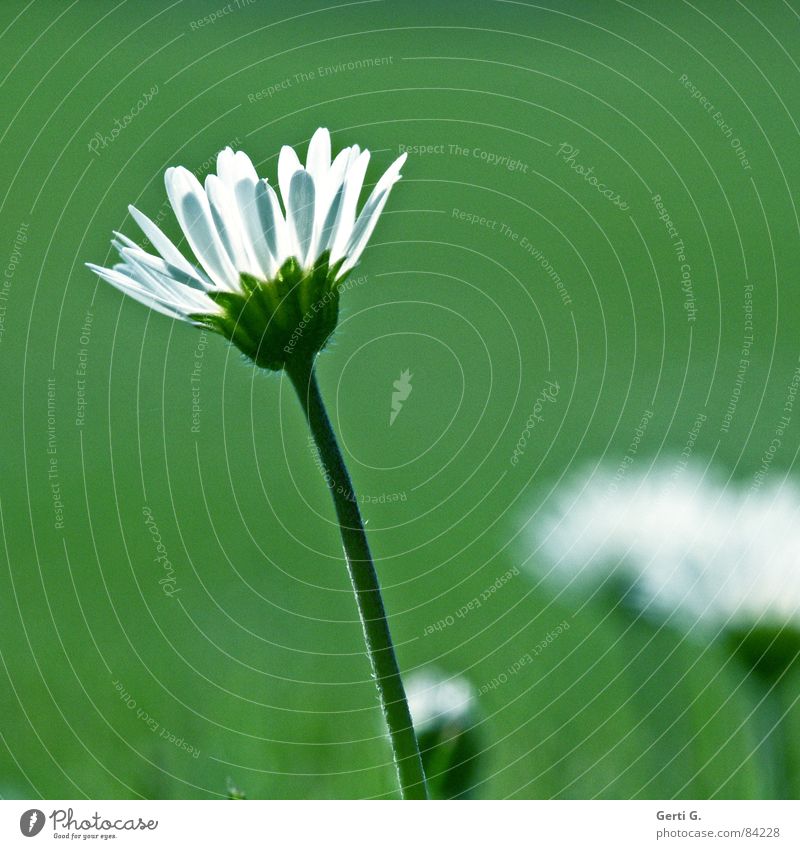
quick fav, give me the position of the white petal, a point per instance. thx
(235, 167)
(329, 196)
(318, 161)
(272, 224)
(353, 181)
(165, 247)
(239, 174)
(146, 278)
(191, 207)
(129, 286)
(122, 241)
(247, 201)
(370, 213)
(328, 225)
(195, 278)
(288, 163)
(390, 176)
(363, 230)
(164, 278)
(228, 222)
(337, 171)
(300, 213)
(165, 290)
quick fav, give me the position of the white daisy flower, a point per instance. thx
(436, 701)
(722, 556)
(267, 274)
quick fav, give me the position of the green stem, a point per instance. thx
(365, 585)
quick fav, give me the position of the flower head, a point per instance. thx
(266, 275)
(444, 713)
(436, 701)
(713, 555)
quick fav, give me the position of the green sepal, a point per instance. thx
(275, 321)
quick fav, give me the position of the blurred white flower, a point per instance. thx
(436, 701)
(723, 555)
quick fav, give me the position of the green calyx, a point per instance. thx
(278, 321)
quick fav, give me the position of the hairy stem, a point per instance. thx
(367, 590)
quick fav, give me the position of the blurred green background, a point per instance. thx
(497, 267)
